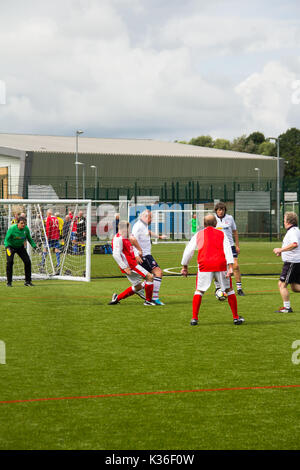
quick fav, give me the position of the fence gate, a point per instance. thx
(253, 213)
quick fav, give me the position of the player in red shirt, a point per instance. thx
(124, 254)
(53, 235)
(215, 260)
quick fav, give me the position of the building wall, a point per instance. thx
(10, 167)
(48, 165)
(168, 177)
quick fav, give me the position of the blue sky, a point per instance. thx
(168, 70)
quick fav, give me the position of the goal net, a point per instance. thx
(177, 225)
(63, 256)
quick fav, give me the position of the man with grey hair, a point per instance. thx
(141, 240)
(215, 260)
(290, 254)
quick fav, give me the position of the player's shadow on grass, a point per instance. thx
(247, 323)
(275, 322)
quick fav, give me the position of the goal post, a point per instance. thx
(68, 258)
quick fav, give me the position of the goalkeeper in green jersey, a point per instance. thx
(194, 224)
(14, 242)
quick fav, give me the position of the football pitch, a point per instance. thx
(78, 374)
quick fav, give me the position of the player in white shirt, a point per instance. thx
(290, 254)
(226, 223)
(141, 240)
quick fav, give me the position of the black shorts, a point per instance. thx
(149, 263)
(290, 273)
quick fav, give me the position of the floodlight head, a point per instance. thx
(79, 132)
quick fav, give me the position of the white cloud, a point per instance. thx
(227, 35)
(267, 98)
(78, 63)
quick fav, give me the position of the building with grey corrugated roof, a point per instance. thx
(122, 166)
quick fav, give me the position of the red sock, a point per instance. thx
(148, 291)
(127, 293)
(196, 305)
(233, 305)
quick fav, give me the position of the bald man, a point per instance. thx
(215, 260)
(141, 240)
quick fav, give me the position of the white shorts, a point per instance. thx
(137, 275)
(204, 280)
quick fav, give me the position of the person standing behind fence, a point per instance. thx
(60, 223)
(290, 254)
(226, 223)
(14, 242)
(81, 232)
(66, 233)
(193, 222)
(53, 235)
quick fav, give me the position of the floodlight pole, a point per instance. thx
(258, 178)
(78, 132)
(83, 177)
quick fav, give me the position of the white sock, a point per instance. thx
(287, 304)
(156, 287)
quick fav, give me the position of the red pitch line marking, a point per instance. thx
(165, 392)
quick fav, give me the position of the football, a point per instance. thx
(220, 295)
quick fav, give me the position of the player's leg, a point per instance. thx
(285, 278)
(27, 265)
(157, 279)
(151, 266)
(295, 287)
(44, 254)
(226, 286)
(74, 243)
(295, 278)
(285, 295)
(141, 292)
(10, 252)
(237, 272)
(57, 253)
(148, 288)
(134, 279)
(197, 299)
(203, 282)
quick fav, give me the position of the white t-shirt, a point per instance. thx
(292, 236)
(140, 231)
(227, 224)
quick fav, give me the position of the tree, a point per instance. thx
(267, 148)
(223, 144)
(202, 141)
(256, 137)
(239, 143)
(289, 144)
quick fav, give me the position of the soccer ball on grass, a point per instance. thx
(220, 295)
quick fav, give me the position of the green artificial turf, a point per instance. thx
(93, 373)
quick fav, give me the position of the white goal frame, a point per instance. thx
(52, 274)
